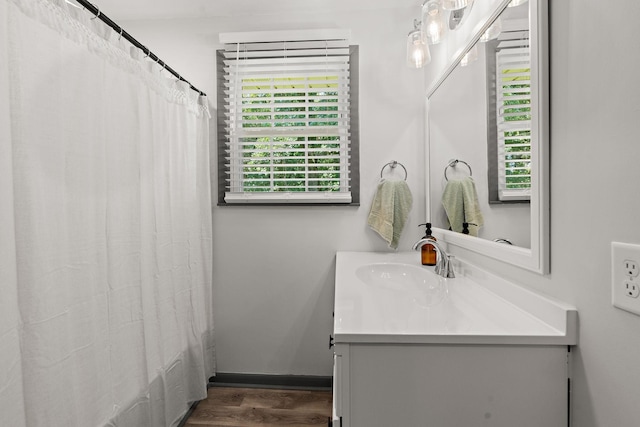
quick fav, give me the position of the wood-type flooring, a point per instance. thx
(250, 407)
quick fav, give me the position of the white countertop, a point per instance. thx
(474, 308)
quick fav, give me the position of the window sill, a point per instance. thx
(287, 204)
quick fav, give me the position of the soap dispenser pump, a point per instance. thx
(428, 252)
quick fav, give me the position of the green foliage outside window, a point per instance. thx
(291, 162)
(517, 142)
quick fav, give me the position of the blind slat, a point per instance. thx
(319, 59)
(281, 45)
(302, 70)
(319, 131)
(272, 107)
(265, 53)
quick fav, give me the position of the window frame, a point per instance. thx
(289, 198)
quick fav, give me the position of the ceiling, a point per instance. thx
(167, 9)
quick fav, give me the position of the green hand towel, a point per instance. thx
(389, 210)
(460, 201)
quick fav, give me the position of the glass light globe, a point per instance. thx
(432, 22)
(418, 54)
(454, 4)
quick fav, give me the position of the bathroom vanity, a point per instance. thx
(415, 349)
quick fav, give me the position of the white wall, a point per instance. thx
(276, 320)
(274, 266)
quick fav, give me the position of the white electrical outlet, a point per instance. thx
(625, 283)
(630, 267)
(631, 289)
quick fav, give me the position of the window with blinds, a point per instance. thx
(286, 131)
(513, 91)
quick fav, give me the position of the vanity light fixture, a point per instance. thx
(432, 21)
(418, 53)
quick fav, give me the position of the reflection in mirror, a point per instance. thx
(470, 122)
(485, 135)
(457, 16)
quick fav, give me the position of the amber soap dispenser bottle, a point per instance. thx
(428, 252)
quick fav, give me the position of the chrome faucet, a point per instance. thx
(444, 267)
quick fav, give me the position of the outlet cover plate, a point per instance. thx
(622, 278)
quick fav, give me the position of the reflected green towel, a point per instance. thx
(389, 210)
(460, 201)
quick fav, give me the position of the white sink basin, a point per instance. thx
(422, 286)
(391, 298)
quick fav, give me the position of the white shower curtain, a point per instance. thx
(105, 228)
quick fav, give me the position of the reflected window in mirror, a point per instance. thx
(508, 63)
(466, 111)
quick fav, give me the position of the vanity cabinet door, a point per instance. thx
(456, 385)
(336, 412)
(340, 385)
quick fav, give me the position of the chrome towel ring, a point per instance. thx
(392, 164)
(452, 164)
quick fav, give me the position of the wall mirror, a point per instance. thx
(487, 127)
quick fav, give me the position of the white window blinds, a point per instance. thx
(287, 122)
(513, 81)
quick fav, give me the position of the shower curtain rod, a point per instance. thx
(104, 18)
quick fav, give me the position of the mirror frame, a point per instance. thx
(536, 258)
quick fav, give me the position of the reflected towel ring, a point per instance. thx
(392, 164)
(503, 240)
(452, 164)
